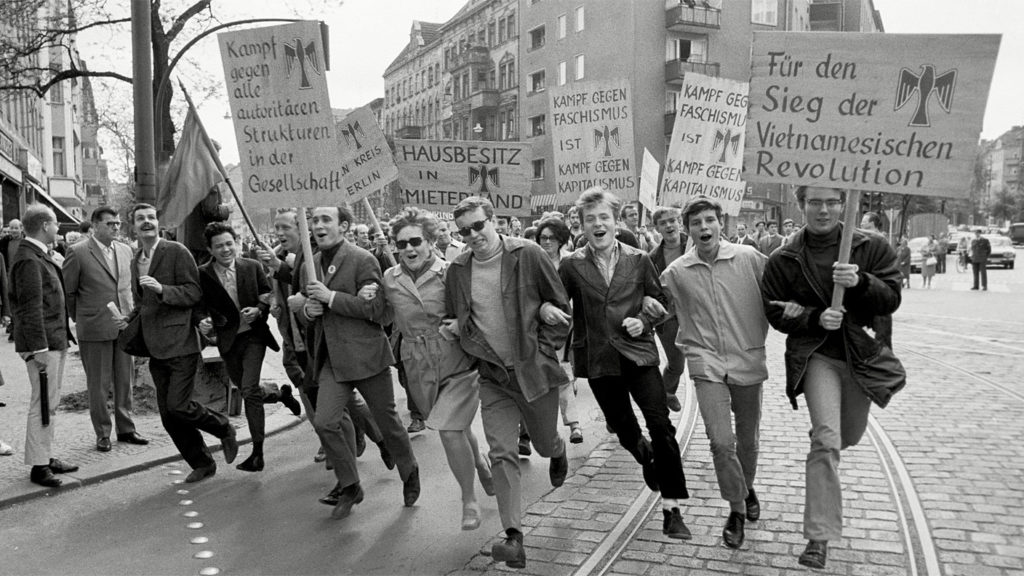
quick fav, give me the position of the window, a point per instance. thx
(57, 93)
(579, 66)
(511, 23)
(507, 75)
(562, 25)
(764, 12)
(671, 101)
(490, 34)
(538, 169)
(537, 125)
(59, 168)
(537, 81)
(537, 38)
(501, 30)
(579, 18)
(688, 49)
(561, 74)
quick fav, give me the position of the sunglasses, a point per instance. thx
(414, 242)
(474, 227)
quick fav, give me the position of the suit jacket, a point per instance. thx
(768, 244)
(747, 240)
(90, 284)
(5, 304)
(168, 319)
(599, 309)
(350, 333)
(251, 283)
(37, 300)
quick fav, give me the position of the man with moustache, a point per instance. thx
(617, 300)
(671, 247)
(509, 311)
(165, 289)
(351, 352)
(716, 294)
(98, 271)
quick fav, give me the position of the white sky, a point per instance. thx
(366, 35)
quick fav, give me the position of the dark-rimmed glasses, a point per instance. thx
(414, 242)
(477, 226)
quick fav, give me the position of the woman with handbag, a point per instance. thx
(830, 359)
(928, 261)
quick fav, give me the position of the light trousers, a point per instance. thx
(39, 438)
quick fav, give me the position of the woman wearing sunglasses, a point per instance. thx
(442, 379)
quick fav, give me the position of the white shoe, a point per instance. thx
(5, 449)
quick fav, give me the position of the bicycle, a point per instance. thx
(961, 262)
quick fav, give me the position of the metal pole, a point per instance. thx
(142, 85)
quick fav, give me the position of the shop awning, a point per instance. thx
(63, 216)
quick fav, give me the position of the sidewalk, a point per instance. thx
(75, 440)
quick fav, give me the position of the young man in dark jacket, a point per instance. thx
(822, 342)
(617, 300)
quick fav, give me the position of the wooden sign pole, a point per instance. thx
(846, 242)
(307, 249)
(376, 224)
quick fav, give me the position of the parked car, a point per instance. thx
(915, 245)
(954, 240)
(1003, 253)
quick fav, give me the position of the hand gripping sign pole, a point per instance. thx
(846, 242)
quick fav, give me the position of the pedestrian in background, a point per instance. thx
(903, 259)
(97, 272)
(942, 250)
(822, 344)
(668, 222)
(41, 338)
(5, 320)
(716, 296)
(981, 249)
(617, 300)
(929, 261)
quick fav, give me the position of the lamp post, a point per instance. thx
(142, 92)
(478, 130)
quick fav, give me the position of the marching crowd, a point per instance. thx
(500, 324)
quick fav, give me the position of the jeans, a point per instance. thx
(643, 384)
(676, 361)
(839, 416)
(502, 406)
(734, 454)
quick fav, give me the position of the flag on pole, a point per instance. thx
(191, 174)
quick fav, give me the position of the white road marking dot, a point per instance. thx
(199, 540)
(185, 503)
(194, 525)
(190, 514)
(174, 472)
(211, 571)
(203, 555)
(178, 481)
(182, 492)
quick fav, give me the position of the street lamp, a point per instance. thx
(478, 130)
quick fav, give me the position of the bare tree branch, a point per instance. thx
(185, 16)
(68, 31)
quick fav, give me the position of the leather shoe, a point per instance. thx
(253, 463)
(733, 532)
(558, 469)
(511, 551)
(289, 400)
(411, 487)
(360, 444)
(815, 555)
(201, 473)
(132, 438)
(103, 444)
(385, 456)
(673, 403)
(651, 476)
(416, 426)
(524, 446)
(753, 506)
(230, 445)
(331, 499)
(43, 476)
(347, 498)
(673, 526)
(59, 467)
(321, 455)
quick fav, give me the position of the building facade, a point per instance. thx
(1003, 162)
(413, 87)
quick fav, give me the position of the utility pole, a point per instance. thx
(142, 89)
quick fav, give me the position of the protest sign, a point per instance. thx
(881, 112)
(592, 134)
(366, 161)
(277, 89)
(649, 172)
(437, 175)
(705, 156)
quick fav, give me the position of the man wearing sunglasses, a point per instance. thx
(510, 312)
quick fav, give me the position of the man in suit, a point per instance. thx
(97, 272)
(981, 249)
(41, 336)
(165, 287)
(617, 301)
(236, 296)
(771, 241)
(742, 238)
(351, 352)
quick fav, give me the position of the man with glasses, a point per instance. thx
(821, 342)
(672, 246)
(97, 272)
(510, 312)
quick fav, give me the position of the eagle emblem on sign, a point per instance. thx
(725, 140)
(305, 58)
(606, 137)
(925, 85)
(483, 174)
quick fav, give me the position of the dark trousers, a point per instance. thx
(643, 384)
(981, 271)
(183, 417)
(676, 361)
(940, 262)
(244, 362)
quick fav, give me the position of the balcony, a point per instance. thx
(474, 56)
(683, 15)
(409, 132)
(676, 69)
(484, 98)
